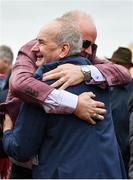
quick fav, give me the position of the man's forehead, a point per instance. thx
(42, 36)
(50, 28)
(45, 33)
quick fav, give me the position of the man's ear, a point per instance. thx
(65, 48)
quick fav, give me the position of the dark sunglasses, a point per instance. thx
(87, 44)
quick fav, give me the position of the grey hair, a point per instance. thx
(70, 34)
(74, 15)
(6, 53)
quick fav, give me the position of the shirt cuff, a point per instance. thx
(60, 102)
(96, 74)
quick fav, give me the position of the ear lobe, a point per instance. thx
(64, 50)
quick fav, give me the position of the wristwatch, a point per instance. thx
(86, 72)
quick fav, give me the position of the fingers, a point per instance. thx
(58, 83)
(62, 83)
(99, 114)
(88, 95)
(96, 116)
(71, 73)
(61, 69)
(54, 71)
(100, 117)
(50, 76)
(91, 94)
(99, 104)
(54, 74)
(65, 85)
(86, 118)
(100, 111)
(91, 121)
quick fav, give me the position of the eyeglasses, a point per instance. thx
(87, 44)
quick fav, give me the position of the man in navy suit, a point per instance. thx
(66, 146)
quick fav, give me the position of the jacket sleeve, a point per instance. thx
(114, 74)
(23, 142)
(22, 83)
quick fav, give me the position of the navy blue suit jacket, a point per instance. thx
(67, 147)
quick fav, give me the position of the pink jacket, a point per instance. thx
(114, 74)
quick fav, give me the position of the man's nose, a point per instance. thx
(35, 48)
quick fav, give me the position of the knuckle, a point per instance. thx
(70, 81)
(59, 68)
(66, 77)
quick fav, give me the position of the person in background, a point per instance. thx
(24, 86)
(120, 95)
(6, 59)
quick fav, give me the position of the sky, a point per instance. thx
(21, 20)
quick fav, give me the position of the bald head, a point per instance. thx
(85, 23)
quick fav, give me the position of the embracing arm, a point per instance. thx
(103, 72)
(114, 74)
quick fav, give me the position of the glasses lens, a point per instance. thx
(86, 44)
